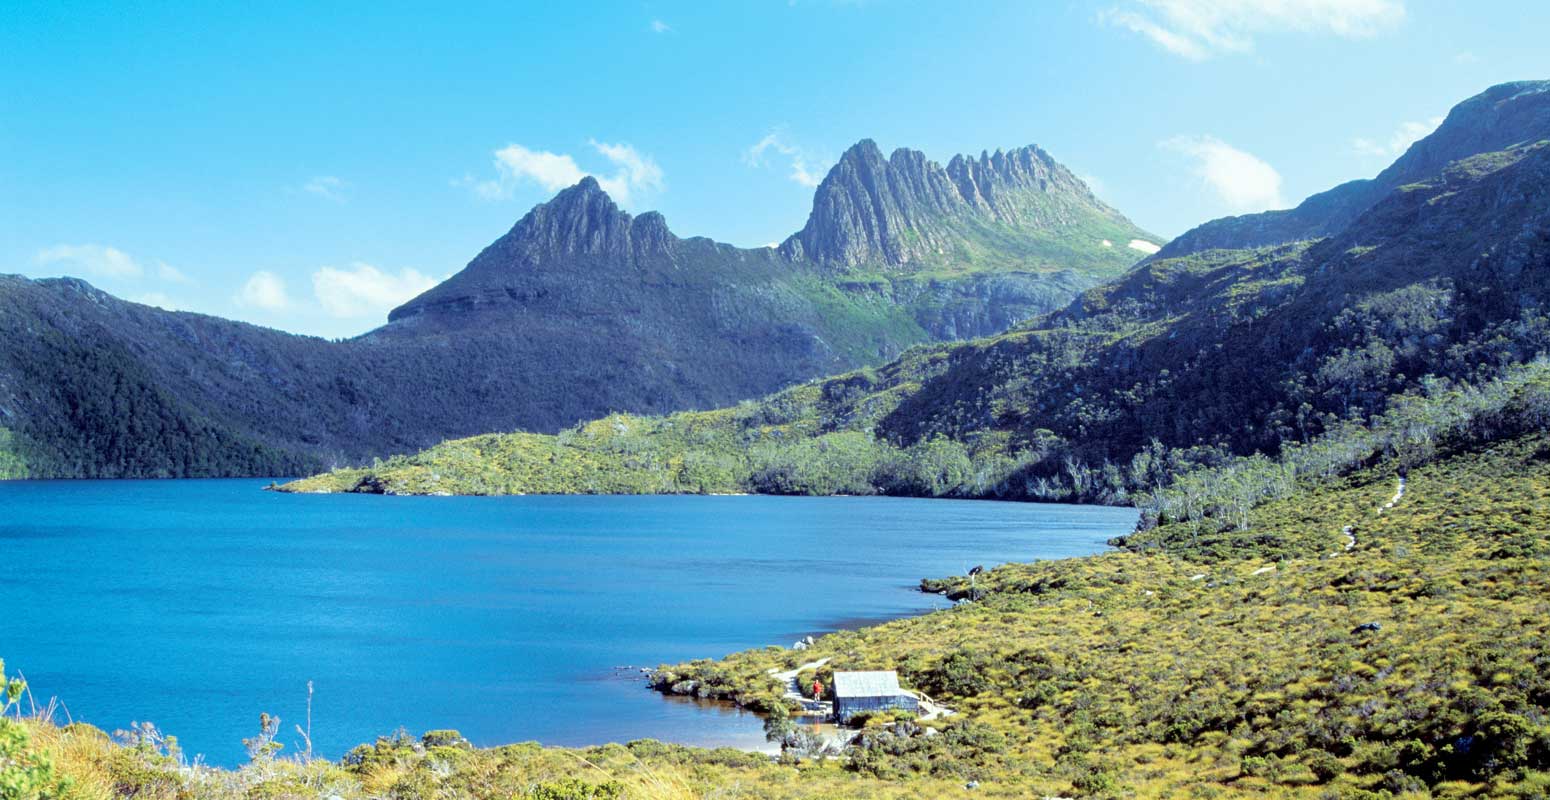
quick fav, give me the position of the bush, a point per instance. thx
(25, 774)
(443, 738)
(1323, 764)
(576, 789)
(962, 674)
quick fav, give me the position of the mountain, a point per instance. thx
(1018, 209)
(961, 251)
(1442, 282)
(95, 386)
(1496, 119)
(579, 310)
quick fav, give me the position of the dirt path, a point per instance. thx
(1398, 493)
(794, 689)
(1349, 531)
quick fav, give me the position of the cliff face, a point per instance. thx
(1494, 120)
(907, 212)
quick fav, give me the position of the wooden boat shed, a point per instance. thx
(858, 692)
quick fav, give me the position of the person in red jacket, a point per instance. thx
(817, 689)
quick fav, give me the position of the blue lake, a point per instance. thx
(199, 604)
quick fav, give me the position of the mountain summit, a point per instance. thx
(582, 221)
(907, 212)
(965, 249)
(580, 224)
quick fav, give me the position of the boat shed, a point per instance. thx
(858, 692)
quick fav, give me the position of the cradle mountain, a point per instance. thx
(580, 310)
(1442, 282)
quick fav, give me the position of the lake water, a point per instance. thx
(199, 604)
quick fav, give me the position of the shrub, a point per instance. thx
(443, 738)
(25, 774)
(576, 789)
(963, 674)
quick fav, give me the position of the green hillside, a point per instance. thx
(1264, 658)
(1183, 361)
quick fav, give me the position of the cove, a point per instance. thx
(198, 604)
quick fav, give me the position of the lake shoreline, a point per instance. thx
(670, 685)
(289, 488)
(504, 608)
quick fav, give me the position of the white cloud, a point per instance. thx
(1199, 29)
(265, 291)
(488, 189)
(775, 140)
(102, 261)
(632, 172)
(171, 274)
(658, 26)
(1240, 180)
(1399, 141)
(362, 290)
(97, 260)
(157, 299)
(1094, 183)
(549, 170)
(1175, 43)
(635, 171)
(327, 187)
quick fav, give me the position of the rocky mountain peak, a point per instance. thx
(865, 151)
(580, 230)
(581, 221)
(907, 208)
(1496, 119)
(992, 181)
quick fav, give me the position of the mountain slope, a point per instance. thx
(1182, 361)
(1020, 210)
(1496, 119)
(578, 311)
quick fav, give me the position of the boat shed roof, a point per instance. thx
(867, 684)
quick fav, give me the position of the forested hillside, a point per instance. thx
(1183, 361)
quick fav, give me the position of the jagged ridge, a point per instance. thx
(1496, 119)
(908, 210)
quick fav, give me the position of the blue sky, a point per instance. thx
(308, 166)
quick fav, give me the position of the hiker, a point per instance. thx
(817, 689)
